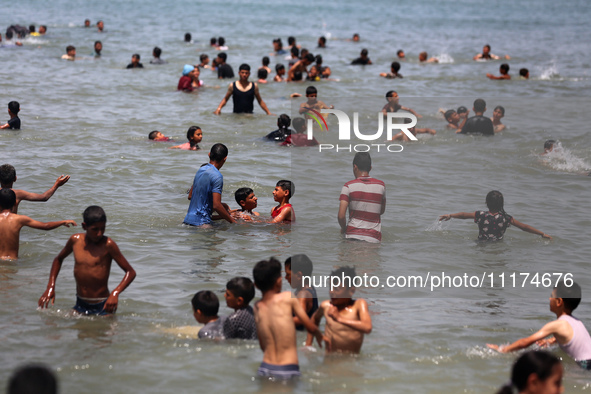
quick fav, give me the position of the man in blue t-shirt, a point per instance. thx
(206, 192)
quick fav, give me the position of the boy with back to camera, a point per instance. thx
(274, 320)
(14, 123)
(303, 290)
(206, 306)
(93, 254)
(282, 194)
(11, 224)
(8, 177)
(347, 320)
(240, 324)
(568, 331)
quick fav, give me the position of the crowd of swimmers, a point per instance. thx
(276, 317)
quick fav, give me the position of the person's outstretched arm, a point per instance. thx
(224, 100)
(220, 209)
(412, 111)
(528, 228)
(548, 329)
(28, 196)
(459, 215)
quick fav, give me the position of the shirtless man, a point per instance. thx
(274, 320)
(93, 254)
(243, 93)
(347, 320)
(8, 177)
(297, 71)
(11, 224)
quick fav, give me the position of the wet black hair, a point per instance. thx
(311, 90)
(191, 131)
(152, 134)
(32, 28)
(278, 42)
(262, 73)
(14, 107)
(7, 198)
(501, 108)
(295, 51)
(287, 185)
(266, 60)
(523, 72)
(97, 42)
(291, 40)
(364, 52)
(462, 109)
(309, 57)
(244, 66)
(187, 37)
(32, 378)
(395, 66)
(449, 113)
(279, 67)
(495, 203)
(504, 67)
(157, 51)
(318, 60)
(207, 302)
(137, 56)
(363, 161)
(322, 39)
(300, 263)
(223, 56)
(571, 295)
(479, 105)
(549, 144)
(266, 273)
(242, 194)
(7, 174)
(241, 287)
(70, 48)
(94, 214)
(283, 121)
(221, 41)
(390, 93)
(537, 362)
(345, 272)
(218, 152)
(9, 35)
(299, 124)
(203, 56)
(213, 41)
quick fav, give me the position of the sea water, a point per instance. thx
(90, 119)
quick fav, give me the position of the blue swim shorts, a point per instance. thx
(288, 371)
(85, 308)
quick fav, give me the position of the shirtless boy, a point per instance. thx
(273, 315)
(393, 104)
(8, 177)
(313, 102)
(347, 320)
(11, 224)
(93, 254)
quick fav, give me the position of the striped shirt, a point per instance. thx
(366, 196)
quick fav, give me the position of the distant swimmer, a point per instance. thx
(87, 23)
(498, 114)
(98, 47)
(222, 44)
(9, 41)
(224, 69)
(347, 319)
(424, 58)
(204, 61)
(262, 76)
(213, 41)
(156, 52)
(548, 146)
(8, 177)
(322, 42)
(486, 55)
(100, 25)
(14, 123)
(504, 70)
(492, 224)
(278, 47)
(454, 121)
(265, 64)
(363, 58)
(401, 55)
(195, 136)
(243, 93)
(135, 62)
(93, 255)
(478, 124)
(42, 30)
(293, 58)
(524, 73)
(190, 81)
(158, 136)
(280, 72)
(296, 72)
(355, 37)
(70, 53)
(394, 106)
(188, 38)
(394, 68)
(291, 43)
(12, 223)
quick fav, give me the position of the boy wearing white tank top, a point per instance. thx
(569, 332)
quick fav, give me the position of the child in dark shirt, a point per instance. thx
(205, 310)
(14, 123)
(240, 324)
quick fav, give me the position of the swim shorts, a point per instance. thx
(585, 364)
(85, 308)
(288, 371)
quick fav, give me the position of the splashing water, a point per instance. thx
(562, 159)
(438, 225)
(550, 73)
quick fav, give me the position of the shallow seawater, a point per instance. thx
(90, 119)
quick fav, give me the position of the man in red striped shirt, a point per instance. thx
(365, 197)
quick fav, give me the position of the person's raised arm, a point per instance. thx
(49, 294)
(548, 329)
(28, 196)
(260, 100)
(111, 304)
(342, 215)
(459, 215)
(363, 324)
(220, 209)
(224, 100)
(27, 221)
(528, 228)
